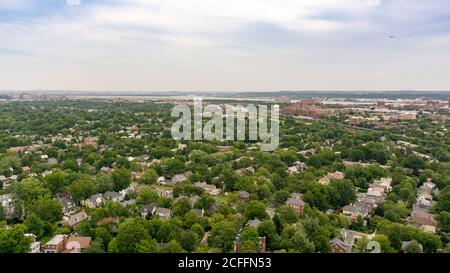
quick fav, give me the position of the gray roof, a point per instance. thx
(254, 223)
(147, 208)
(6, 198)
(94, 198)
(67, 202)
(163, 211)
(295, 202)
(111, 194)
(77, 218)
(128, 202)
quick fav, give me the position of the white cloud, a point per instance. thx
(223, 45)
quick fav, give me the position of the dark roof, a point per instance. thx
(147, 208)
(295, 202)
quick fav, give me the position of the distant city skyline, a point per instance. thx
(233, 45)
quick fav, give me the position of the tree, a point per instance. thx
(413, 247)
(34, 225)
(103, 183)
(250, 240)
(149, 177)
(385, 244)
(197, 228)
(249, 247)
(318, 197)
(181, 207)
(287, 215)
(13, 240)
(255, 209)
(47, 209)
(103, 235)
(30, 189)
(189, 240)
(342, 193)
(280, 197)
(414, 162)
(129, 235)
(317, 233)
(2, 213)
(444, 221)
(222, 235)
(268, 229)
(173, 247)
(146, 195)
(294, 239)
(95, 247)
(394, 212)
(443, 202)
(81, 189)
(56, 181)
(205, 202)
(145, 246)
(121, 178)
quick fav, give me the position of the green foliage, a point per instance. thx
(13, 240)
(129, 236)
(222, 235)
(121, 178)
(255, 209)
(149, 177)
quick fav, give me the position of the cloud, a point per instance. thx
(216, 43)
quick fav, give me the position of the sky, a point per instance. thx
(224, 45)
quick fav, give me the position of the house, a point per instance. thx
(95, 201)
(68, 205)
(133, 188)
(75, 219)
(75, 244)
(339, 246)
(91, 141)
(423, 220)
(243, 196)
(383, 183)
(35, 247)
(128, 203)
(55, 244)
(114, 196)
(179, 178)
(270, 212)
(6, 201)
(350, 238)
(136, 175)
(147, 209)
(210, 189)
(293, 170)
(193, 200)
(222, 149)
(357, 209)
(163, 213)
(330, 177)
(52, 161)
(46, 172)
(44, 158)
(4, 180)
(106, 170)
(296, 202)
(254, 223)
(164, 193)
